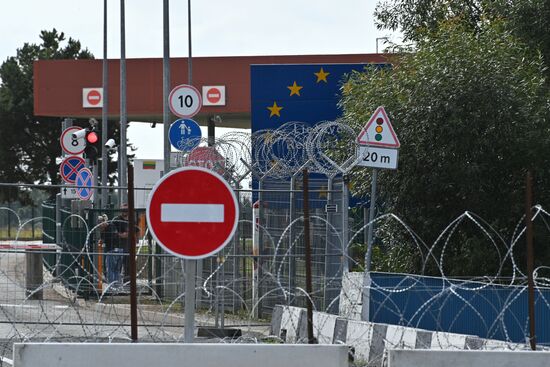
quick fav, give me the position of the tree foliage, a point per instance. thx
(30, 144)
(528, 20)
(471, 110)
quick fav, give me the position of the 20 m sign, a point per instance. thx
(185, 101)
(378, 157)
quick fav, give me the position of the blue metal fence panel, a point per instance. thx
(483, 309)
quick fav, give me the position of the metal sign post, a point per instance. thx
(371, 219)
(190, 281)
(378, 148)
(192, 223)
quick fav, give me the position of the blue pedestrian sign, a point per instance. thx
(185, 134)
(85, 183)
(70, 167)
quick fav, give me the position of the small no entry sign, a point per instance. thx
(92, 97)
(213, 95)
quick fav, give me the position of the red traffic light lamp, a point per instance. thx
(93, 143)
(92, 137)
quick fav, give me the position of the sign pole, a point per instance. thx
(122, 174)
(307, 244)
(365, 312)
(132, 254)
(190, 265)
(180, 219)
(166, 83)
(371, 219)
(104, 115)
(189, 328)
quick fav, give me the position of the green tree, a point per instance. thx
(30, 144)
(471, 112)
(415, 18)
(529, 20)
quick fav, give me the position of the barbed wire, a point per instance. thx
(74, 300)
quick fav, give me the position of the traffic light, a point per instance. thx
(93, 144)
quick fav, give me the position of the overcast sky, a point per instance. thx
(220, 28)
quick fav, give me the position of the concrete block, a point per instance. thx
(423, 339)
(340, 331)
(276, 317)
(180, 355)
(444, 358)
(377, 345)
(301, 337)
(359, 335)
(446, 341)
(350, 295)
(289, 323)
(400, 337)
(323, 327)
(498, 345)
(474, 343)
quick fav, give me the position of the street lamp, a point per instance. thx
(386, 39)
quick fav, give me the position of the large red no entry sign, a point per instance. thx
(192, 212)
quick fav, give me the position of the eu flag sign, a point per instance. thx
(306, 93)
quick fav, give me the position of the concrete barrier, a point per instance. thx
(290, 324)
(444, 358)
(324, 327)
(371, 341)
(351, 302)
(180, 355)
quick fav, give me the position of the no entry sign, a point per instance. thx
(206, 157)
(92, 97)
(192, 212)
(213, 95)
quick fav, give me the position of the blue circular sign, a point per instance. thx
(70, 167)
(185, 134)
(84, 181)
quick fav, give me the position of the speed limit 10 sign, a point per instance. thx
(185, 101)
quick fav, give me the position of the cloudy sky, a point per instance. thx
(220, 28)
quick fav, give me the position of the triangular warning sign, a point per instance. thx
(378, 131)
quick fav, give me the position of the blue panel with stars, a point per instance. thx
(305, 93)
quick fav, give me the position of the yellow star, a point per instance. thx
(275, 110)
(321, 76)
(294, 89)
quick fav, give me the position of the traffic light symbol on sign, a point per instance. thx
(378, 131)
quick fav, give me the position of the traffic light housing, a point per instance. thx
(93, 144)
